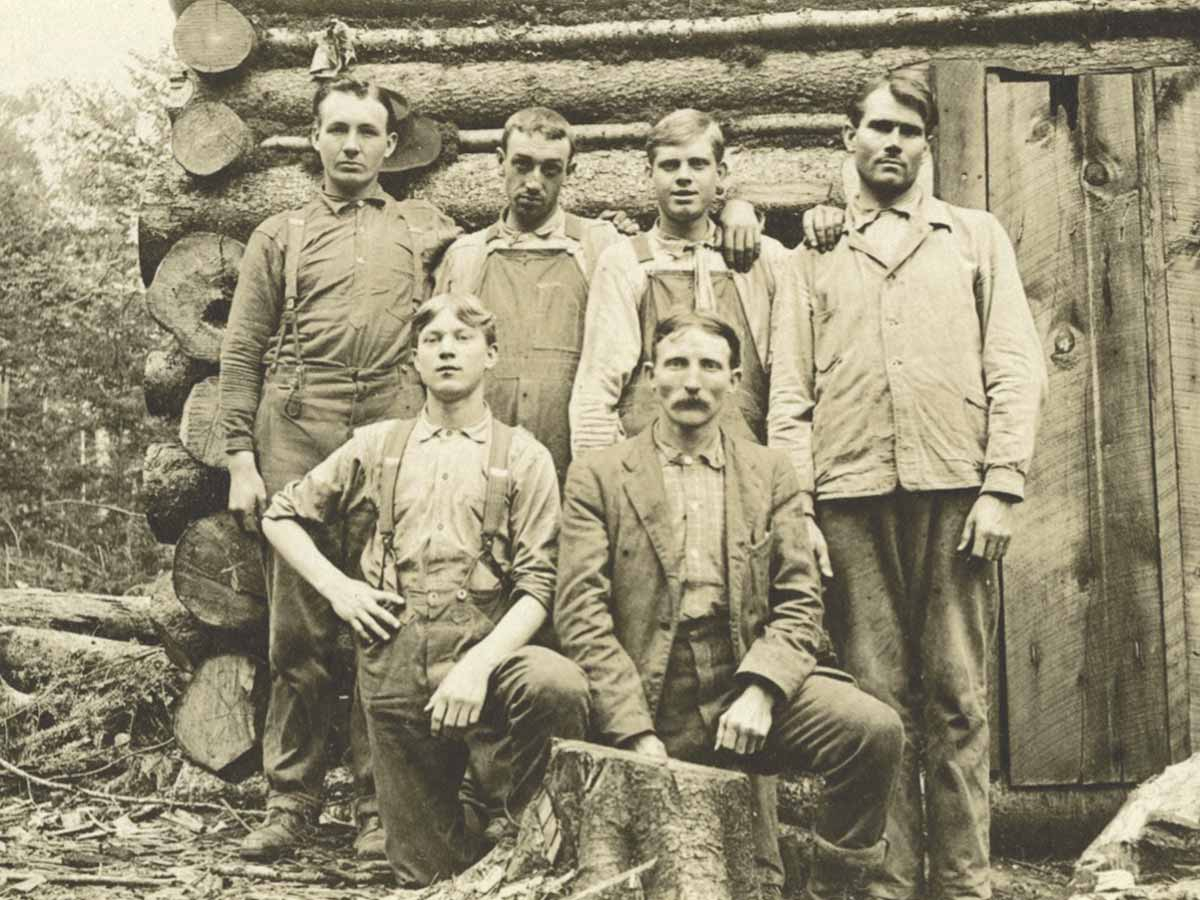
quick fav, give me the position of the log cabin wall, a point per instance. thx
(1094, 683)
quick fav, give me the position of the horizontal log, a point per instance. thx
(218, 573)
(470, 190)
(212, 37)
(192, 291)
(809, 27)
(605, 135)
(99, 615)
(200, 429)
(34, 654)
(188, 641)
(481, 94)
(167, 378)
(176, 489)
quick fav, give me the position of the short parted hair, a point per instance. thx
(682, 127)
(705, 321)
(908, 90)
(467, 308)
(344, 84)
(539, 120)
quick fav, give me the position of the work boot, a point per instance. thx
(370, 841)
(842, 873)
(283, 831)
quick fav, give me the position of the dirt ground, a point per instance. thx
(55, 846)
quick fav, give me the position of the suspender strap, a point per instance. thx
(641, 247)
(393, 453)
(499, 478)
(291, 293)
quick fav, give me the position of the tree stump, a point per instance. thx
(177, 489)
(167, 376)
(218, 573)
(193, 289)
(208, 137)
(219, 720)
(618, 810)
(200, 429)
(213, 37)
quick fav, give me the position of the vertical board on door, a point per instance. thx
(1083, 638)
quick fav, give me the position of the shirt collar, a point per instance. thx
(712, 455)
(479, 432)
(555, 226)
(377, 196)
(678, 247)
(862, 212)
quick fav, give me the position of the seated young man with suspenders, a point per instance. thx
(447, 677)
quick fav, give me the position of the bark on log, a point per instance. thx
(200, 429)
(36, 652)
(1049, 19)
(218, 574)
(1155, 836)
(469, 190)
(219, 720)
(213, 37)
(617, 810)
(168, 376)
(208, 137)
(482, 94)
(176, 489)
(99, 615)
(188, 641)
(192, 290)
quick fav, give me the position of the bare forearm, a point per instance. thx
(514, 630)
(297, 547)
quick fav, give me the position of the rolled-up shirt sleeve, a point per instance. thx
(612, 346)
(534, 515)
(1014, 369)
(330, 491)
(253, 319)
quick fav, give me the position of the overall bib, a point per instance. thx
(674, 291)
(532, 695)
(304, 414)
(539, 297)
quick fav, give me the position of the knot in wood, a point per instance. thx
(1095, 174)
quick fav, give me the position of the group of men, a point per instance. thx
(552, 450)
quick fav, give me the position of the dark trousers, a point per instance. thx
(830, 728)
(533, 695)
(913, 620)
(292, 434)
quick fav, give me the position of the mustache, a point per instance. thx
(689, 403)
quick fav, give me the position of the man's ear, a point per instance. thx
(500, 157)
(493, 357)
(848, 132)
(648, 370)
(314, 134)
(393, 142)
(570, 167)
(735, 377)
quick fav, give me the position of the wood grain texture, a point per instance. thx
(1083, 641)
(1177, 94)
(960, 146)
(192, 291)
(212, 37)
(200, 428)
(1162, 397)
(98, 615)
(208, 137)
(218, 573)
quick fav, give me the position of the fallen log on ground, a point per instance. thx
(99, 615)
(618, 810)
(219, 720)
(167, 376)
(37, 651)
(176, 489)
(218, 573)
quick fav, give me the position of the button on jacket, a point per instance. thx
(363, 270)
(439, 506)
(924, 372)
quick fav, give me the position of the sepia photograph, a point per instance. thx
(597, 449)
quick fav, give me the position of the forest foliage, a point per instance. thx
(74, 333)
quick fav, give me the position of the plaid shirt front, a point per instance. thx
(695, 487)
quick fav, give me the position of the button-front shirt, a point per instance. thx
(923, 371)
(462, 268)
(439, 507)
(695, 487)
(364, 266)
(612, 341)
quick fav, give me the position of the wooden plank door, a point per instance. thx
(1083, 639)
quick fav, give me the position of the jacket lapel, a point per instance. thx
(647, 495)
(744, 498)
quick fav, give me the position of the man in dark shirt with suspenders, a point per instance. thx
(317, 344)
(459, 576)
